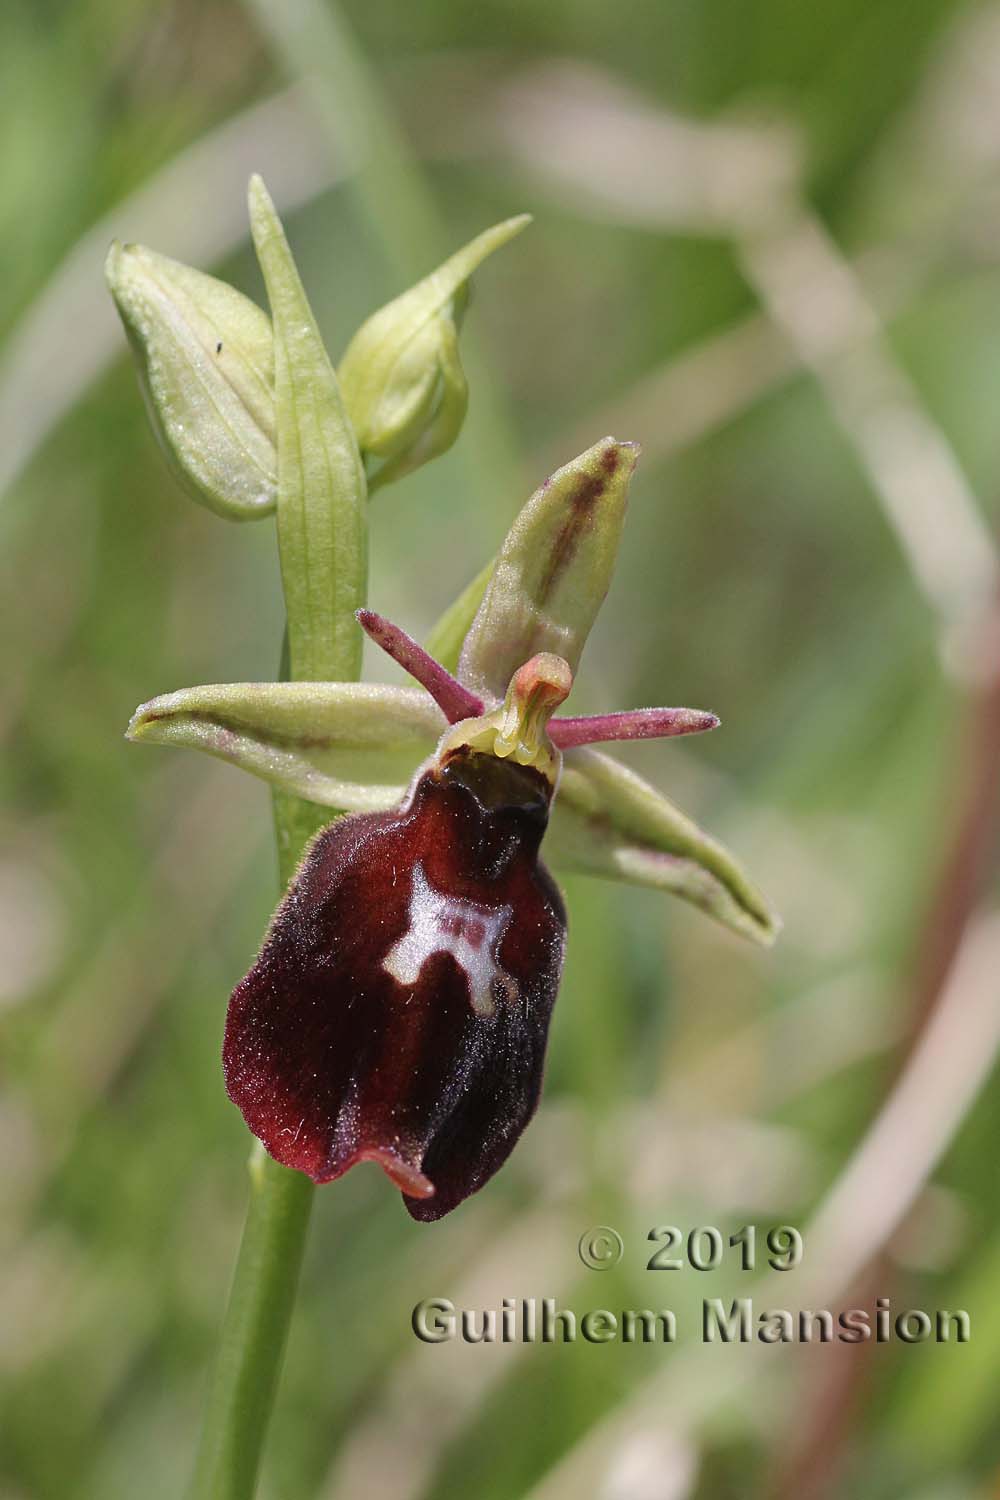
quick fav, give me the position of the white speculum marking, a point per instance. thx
(445, 924)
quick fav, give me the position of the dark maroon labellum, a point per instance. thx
(399, 1008)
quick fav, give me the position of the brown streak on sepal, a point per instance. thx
(582, 503)
(552, 571)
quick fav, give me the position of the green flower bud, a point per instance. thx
(401, 375)
(206, 363)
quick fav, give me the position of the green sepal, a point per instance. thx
(346, 745)
(553, 570)
(322, 494)
(608, 821)
(206, 365)
(401, 374)
(355, 746)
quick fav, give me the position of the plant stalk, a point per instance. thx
(321, 532)
(254, 1332)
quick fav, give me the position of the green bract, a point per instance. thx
(206, 362)
(401, 375)
(322, 526)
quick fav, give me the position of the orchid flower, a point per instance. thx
(399, 1007)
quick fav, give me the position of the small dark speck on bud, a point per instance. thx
(218, 347)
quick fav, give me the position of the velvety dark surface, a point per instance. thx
(333, 1060)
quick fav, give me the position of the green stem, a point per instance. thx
(254, 1332)
(266, 1277)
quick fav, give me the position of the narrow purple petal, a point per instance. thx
(637, 724)
(454, 700)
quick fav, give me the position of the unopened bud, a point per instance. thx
(401, 375)
(206, 363)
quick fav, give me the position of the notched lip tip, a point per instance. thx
(402, 1174)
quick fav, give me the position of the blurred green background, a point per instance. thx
(766, 247)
